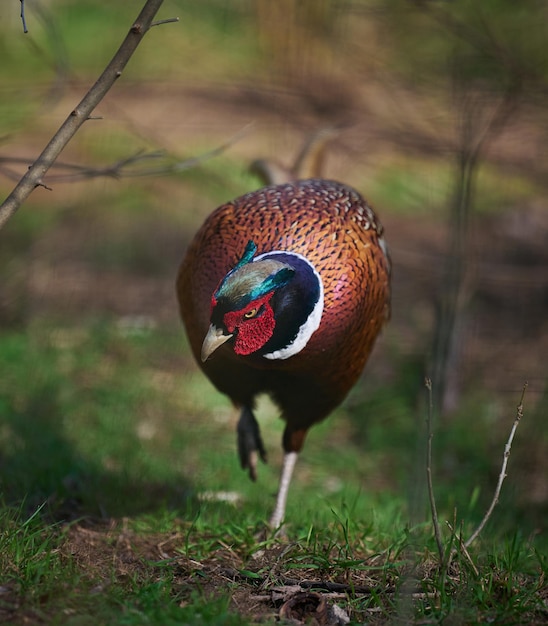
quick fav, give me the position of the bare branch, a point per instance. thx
(502, 475)
(504, 111)
(124, 168)
(81, 113)
(434, 510)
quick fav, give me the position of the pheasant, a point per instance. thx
(283, 291)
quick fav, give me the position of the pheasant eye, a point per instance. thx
(251, 313)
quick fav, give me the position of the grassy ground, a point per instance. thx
(121, 496)
(126, 516)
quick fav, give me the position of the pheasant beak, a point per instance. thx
(213, 340)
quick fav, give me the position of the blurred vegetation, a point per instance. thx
(103, 414)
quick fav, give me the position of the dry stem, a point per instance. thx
(502, 475)
(464, 545)
(431, 497)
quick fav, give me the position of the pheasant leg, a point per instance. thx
(290, 458)
(250, 442)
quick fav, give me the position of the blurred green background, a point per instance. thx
(439, 120)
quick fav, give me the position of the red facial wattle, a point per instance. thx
(252, 333)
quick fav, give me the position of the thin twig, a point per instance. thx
(169, 20)
(463, 549)
(81, 113)
(502, 475)
(431, 497)
(25, 29)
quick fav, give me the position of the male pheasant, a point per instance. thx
(283, 291)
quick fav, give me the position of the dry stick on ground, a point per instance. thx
(325, 585)
(33, 177)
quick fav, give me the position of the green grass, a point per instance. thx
(112, 444)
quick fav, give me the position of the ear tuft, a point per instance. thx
(247, 256)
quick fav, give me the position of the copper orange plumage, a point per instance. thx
(283, 291)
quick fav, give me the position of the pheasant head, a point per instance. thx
(267, 305)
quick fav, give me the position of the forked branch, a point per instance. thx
(33, 177)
